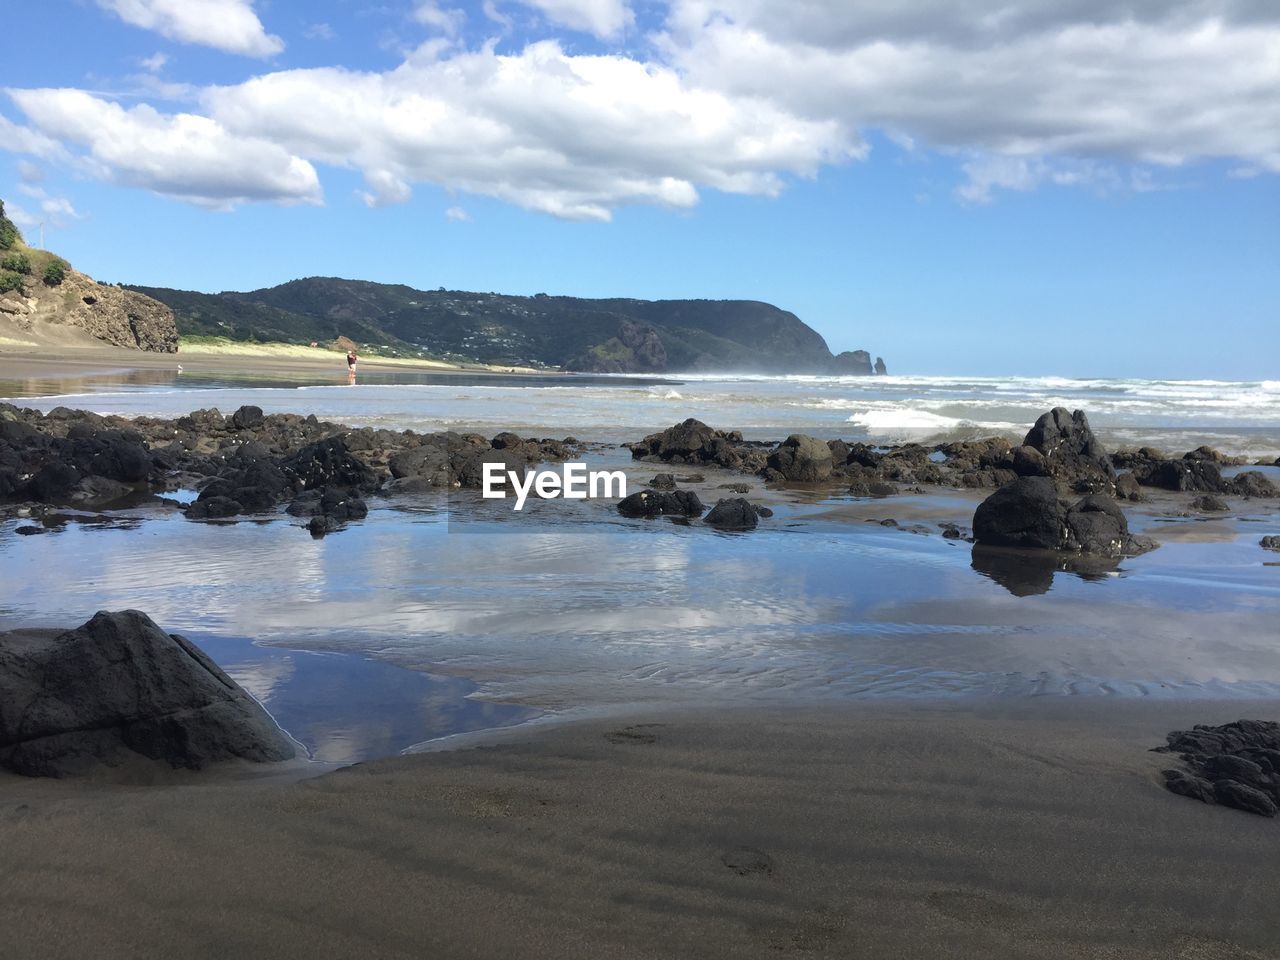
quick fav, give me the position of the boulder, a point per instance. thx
(247, 418)
(1185, 476)
(1209, 504)
(736, 513)
(119, 689)
(1026, 513)
(660, 503)
(802, 459)
(1270, 543)
(1253, 483)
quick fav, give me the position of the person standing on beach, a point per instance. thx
(351, 364)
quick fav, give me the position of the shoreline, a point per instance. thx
(868, 829)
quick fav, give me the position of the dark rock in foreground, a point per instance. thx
(119, 689)
(659, 503)
(1028, 514)
(1270, 543)
(1235, 765)
(736, 513)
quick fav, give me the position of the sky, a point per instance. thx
(1069, 187)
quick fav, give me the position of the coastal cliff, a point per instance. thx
(43, 298)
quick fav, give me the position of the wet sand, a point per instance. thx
(1035, 829)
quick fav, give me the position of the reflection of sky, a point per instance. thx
(636, 609)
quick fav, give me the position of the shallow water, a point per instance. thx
(1237, 417)
(570, 606)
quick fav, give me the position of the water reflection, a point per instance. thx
(346, 708)
(1027, 573)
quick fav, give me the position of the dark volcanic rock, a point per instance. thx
(736, 513)
(1072, 454)
(1235, 764)
(1253, 483)
(802, 459)
(1270, 543)
(1028, 514)
(247, 418)
(329, 462)
(1187, 476)
(119, 689)
(691, 442)
(1209, 504)
(660, 503)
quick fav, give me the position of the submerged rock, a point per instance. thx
(119, 689)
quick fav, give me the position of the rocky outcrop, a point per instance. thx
(1068, 451)
(800, 459)
(1235, 765)
(852, 363)
(119, 689)
(245, 463)
(881, 369)
(1029, 514)
(120, 317)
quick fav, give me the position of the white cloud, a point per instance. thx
(457, 215)
(319, 31)
(180, 155)
(58, 211)
(571, 136)
(1162, 83)
(734, 95)
(30, 172)
(603, 18)
(228, 25)
(154, 63)
(448, 21)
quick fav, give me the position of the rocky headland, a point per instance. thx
(44, 299)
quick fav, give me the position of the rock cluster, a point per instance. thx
(1060, 446)
(119, 689)
(1236, 765)
(1028, 513)
(246, 463)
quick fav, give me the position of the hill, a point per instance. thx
(43, 300)
(612, 335)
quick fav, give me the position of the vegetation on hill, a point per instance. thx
(614, 334)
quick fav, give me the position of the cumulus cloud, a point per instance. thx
(731, 95)
(606, 19)
(180, 155)
(229, 25)
(58, 211)
(573, 136)
(457, 215)
(1164, 82)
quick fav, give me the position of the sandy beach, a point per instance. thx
(1034, 829)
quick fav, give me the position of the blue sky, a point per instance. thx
(1081, 192)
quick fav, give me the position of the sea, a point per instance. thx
(405, 632)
